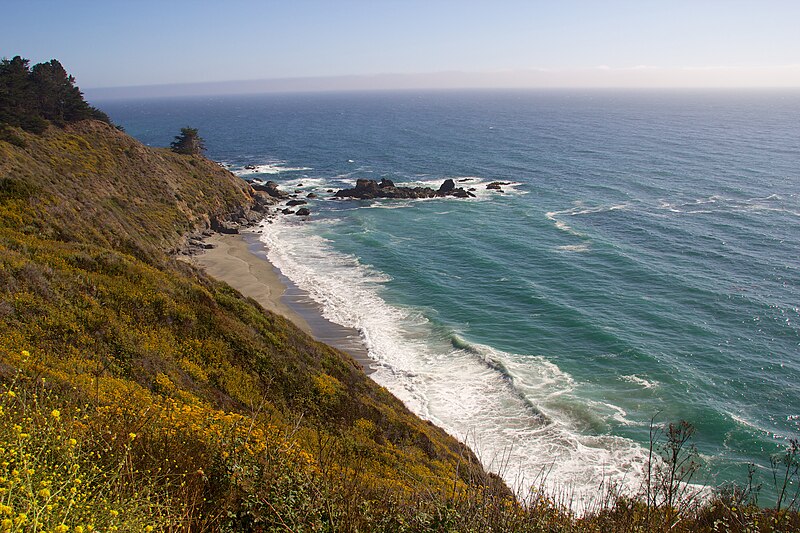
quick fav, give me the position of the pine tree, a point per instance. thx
(188, 142)
(58, 99)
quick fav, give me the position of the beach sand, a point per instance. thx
(241, 261)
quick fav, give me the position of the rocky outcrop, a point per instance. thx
(303, 212)
(371, 189)
(271, 188)
(448, 186)
(292, 203)
(496, 185)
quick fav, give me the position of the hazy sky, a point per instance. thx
(483, 43)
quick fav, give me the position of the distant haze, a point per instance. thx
(601, 77)
(195, 47)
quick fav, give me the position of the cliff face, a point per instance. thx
(92, 183)
(253, 418)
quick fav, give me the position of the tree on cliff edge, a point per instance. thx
(188, 142)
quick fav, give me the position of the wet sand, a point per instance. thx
(241, 262)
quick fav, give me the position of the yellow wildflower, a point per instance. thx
(11, 394)
(61, 528)
(132, 435)
(114, 512)
(55, 413)
(25, 353)
(44, 493)
(7, 524)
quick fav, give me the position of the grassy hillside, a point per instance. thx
(138, 394)
(231, 405)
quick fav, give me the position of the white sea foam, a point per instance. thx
(275, 167)
(638, 380)
(579, 209)
(516, 411)
(584, 247)
(716, 203)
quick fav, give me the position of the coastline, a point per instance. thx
(241, 261)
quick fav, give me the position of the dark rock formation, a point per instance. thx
(448, 186)
(303, 212)
(311, 195)
(271, 188)
(496, 185)
(370, 189)
(292, 203)
(287, 211)
(224, 226)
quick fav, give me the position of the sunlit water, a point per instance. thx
(644, 262)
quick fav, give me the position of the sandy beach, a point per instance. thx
(240, 261)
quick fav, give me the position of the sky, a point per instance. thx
(346, 44)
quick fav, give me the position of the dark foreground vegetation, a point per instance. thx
(138, 394)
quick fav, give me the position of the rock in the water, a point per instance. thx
(446, 187)
(250, 167)
(329, 190)
(287, 211)
(292, 203)
(369, 189)
(311, 195)
(303, 212)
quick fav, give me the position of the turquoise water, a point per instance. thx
(644, 261)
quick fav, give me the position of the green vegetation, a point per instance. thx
(188, 142)
(30, 98)
(138, 394)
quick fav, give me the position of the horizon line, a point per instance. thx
(601, 77)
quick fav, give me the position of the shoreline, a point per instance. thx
(240, 260)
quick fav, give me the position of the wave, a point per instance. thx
(271, 168)
(715, 203)
(638, 380)
(517, 411)
(576, 210)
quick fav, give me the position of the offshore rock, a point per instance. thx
(292, 203)
(448, 186)
(303, 212)
(369, 189)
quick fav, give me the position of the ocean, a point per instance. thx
(642, 263)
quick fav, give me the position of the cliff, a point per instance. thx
(223, 414)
